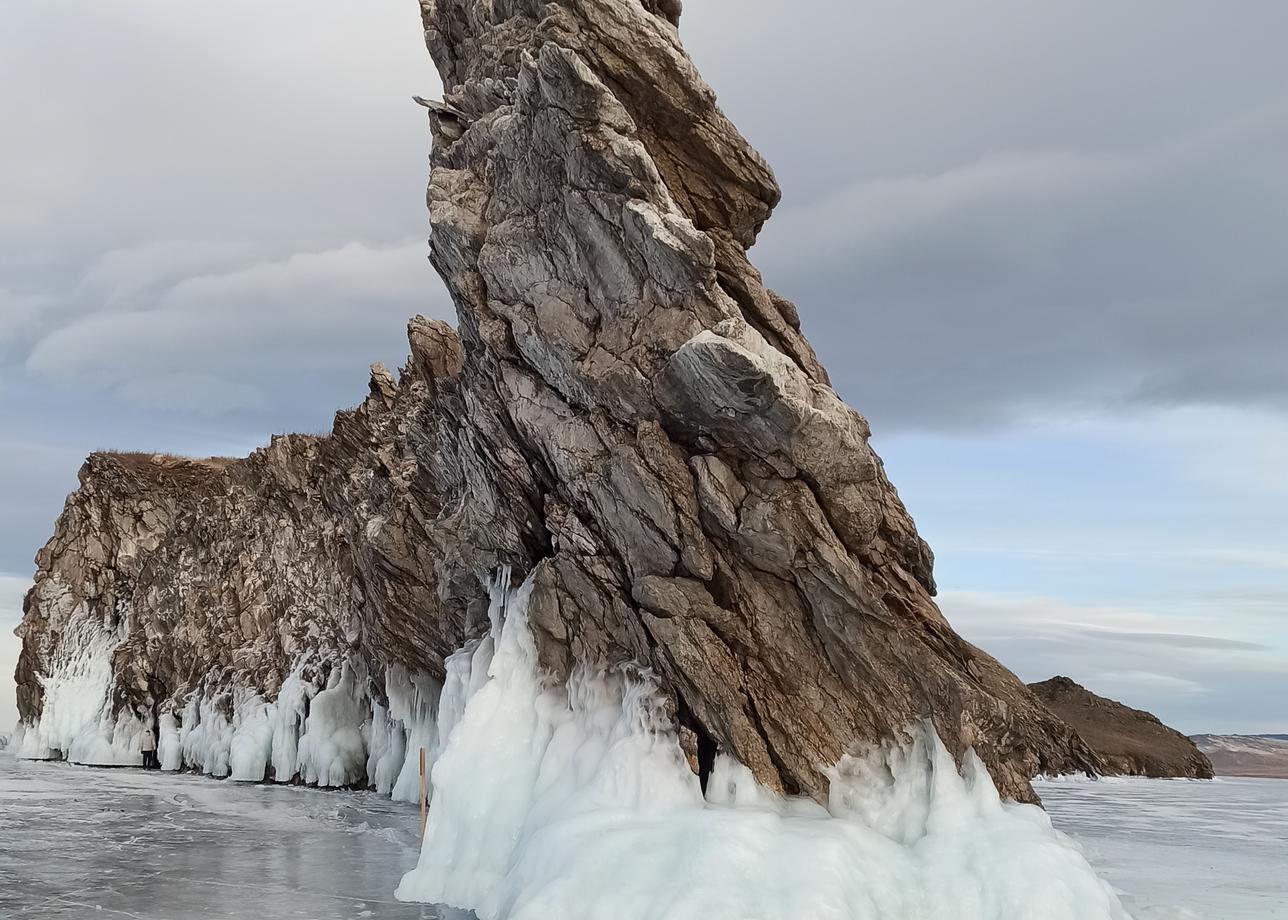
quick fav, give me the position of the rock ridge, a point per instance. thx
(1131, 742)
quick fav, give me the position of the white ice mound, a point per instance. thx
(76, 720)
(576, 803)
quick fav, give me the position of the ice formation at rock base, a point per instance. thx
(576, 802)
(76, 721)
(543, 791)
(332, 735)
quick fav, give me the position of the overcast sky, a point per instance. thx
(1041, 246)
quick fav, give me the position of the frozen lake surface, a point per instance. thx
(78, 842)
(1179, 848)
(81, 842)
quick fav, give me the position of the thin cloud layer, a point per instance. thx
(223, 339)
(1189, 680)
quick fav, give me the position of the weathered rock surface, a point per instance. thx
(1131, 742)
(626, 413)
(1246, 755)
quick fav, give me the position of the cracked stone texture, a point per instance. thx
(625, 412)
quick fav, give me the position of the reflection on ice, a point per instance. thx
(108, 844)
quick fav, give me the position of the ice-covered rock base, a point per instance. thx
(327, 733)
(77, 721)
(576, 802)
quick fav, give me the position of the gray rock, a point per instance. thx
(627, 414)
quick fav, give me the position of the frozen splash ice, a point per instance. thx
(413, 706)
(577, 803)
(76, 720)
(320, 735)
(326, 735)
(333, 749)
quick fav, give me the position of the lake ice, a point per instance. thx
(1182, 848)
(121, 843)
(81, 842)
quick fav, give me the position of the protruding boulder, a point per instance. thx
(436, 349)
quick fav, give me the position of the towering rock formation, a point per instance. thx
(626, 414)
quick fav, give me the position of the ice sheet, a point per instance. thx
(1182, 848)
(77, 842)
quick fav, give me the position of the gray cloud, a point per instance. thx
(222, 339)
(1212, 676)
(1030, 280)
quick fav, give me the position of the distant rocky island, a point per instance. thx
(1131, 742)
(1246, 755)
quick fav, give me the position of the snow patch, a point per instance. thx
(576, 802)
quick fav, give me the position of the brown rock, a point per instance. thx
(1131, 742)
(628, 415)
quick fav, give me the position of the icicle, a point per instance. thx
(76, 721)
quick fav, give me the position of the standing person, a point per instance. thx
(149, 749)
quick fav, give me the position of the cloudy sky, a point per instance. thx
(1041, 246)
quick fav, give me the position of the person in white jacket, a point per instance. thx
(149, 749)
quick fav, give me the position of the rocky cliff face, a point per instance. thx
(1131, 742)
(626, 414)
